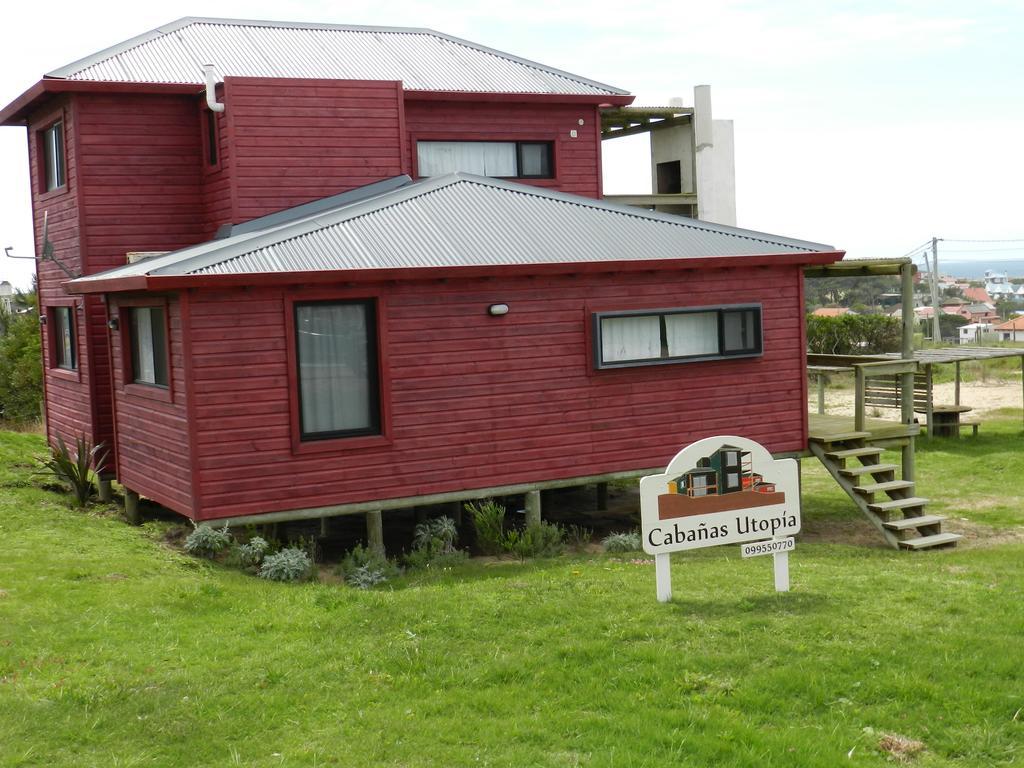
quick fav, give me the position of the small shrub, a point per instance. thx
(251, 554)
(365, 577)
(536, 540)
(489, 522)
(578, 536)
(291, 564)
(76, 472)
(207, 541)
(438, 535)
(622, 542)
(434, 545)
(361, 558)
(423, 558)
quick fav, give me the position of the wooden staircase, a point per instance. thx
(890, 504)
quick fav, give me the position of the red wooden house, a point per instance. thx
(315, 333)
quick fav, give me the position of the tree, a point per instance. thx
(853, 335)
(21, 369)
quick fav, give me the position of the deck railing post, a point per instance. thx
(858, 404)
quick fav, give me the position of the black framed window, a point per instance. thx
(64, 350)
(499, 159)
(54, 173)
(655, 337)
(148, 345)
(336, 354)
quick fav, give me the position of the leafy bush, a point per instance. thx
(370, 560)
(489, 522)
(622, 542)
(251, 553)
(536, 540)
(21, 370)
(76, 472)
(207, 541)
(853, 334)
(364, 577)
(291, 564)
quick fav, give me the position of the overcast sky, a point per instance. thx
(868, 125)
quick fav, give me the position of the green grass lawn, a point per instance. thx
(116, 651)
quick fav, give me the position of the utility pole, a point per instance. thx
(936, 332)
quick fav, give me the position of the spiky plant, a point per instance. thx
(77, 471)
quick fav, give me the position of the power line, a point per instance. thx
(1016, 240)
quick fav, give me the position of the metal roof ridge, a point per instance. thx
(186, 21)
(293, 229)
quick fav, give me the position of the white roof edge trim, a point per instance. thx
(174, 26)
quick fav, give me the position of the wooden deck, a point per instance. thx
(826, 428)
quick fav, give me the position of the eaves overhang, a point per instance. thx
(18, 111)
(164, 283)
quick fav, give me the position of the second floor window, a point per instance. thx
(500, 159)
(54, 174)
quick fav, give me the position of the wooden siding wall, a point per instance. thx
(478, 401)
(300, 140)
(68, 405)
(154, 457)
(139, 165)
(218, 205)
(577, 160)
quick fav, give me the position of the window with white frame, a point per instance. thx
(653, 337)
(336, 353)
(500, 159)
(148, 341)
(52, 149)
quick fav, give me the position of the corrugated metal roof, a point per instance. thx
(424, 60)
(461, 220)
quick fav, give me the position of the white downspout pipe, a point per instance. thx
(211, 89)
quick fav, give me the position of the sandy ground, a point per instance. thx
(983, 397)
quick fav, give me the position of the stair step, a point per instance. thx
(926, 542)
(852, 453)
(868, 469)
(891, 485)
(891, 504)
(914, 522)
(841, 437)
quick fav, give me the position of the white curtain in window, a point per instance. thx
(693, 333)
(484, 158)
(334, 375)
(146, 361)
(630, 338)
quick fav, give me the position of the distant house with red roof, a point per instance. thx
(832, 312)
(977, 295)
(1011, 330)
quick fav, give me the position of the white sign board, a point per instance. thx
(720, 490)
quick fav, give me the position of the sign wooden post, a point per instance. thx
(721, 490)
